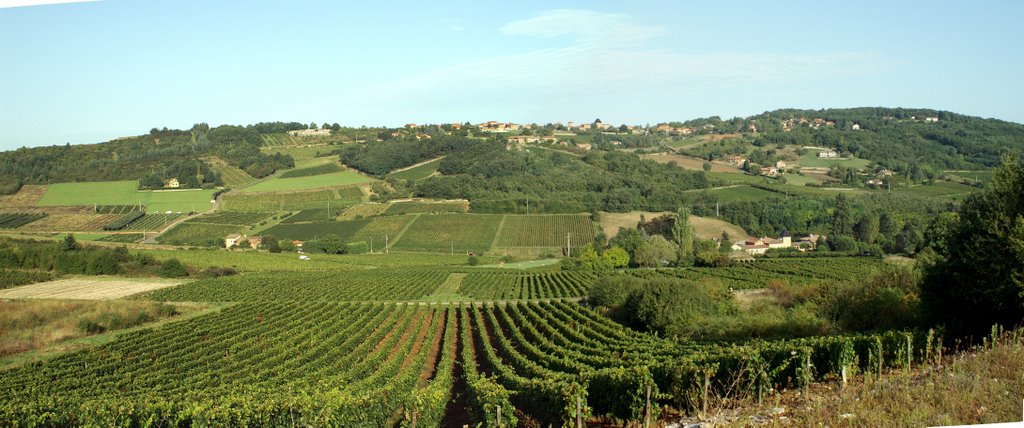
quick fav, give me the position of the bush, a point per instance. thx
(172, 269)
(612, 291)
(674, 306)
(473, 261)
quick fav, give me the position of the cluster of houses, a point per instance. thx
(241, 241)
(754, 246)
(828, 154)
(817, 122)
(313, 132)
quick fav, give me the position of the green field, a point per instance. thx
(941, 189)
(278, 201)
(335, 179)
(545, 230)
(982, 176)
(737, 177)
(417, 172)
(125, 193)
(800, 180)
(309, 231)
(740, 193)
(447, 233)
(813, 161)
(383, 228)
(232, 176)
(326, 168)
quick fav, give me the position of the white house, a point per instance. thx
(232, 240)
(172, 183)
(828, 154)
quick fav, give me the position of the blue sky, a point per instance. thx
(87, 72)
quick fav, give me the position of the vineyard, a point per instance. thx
(546, 231)
(310, 231)
(426, 207)
(759, 273)
(117, 209)
(313, 170)
(274, 201)
(460, 233)
(241, 218)
(305, 216)
(123, 238)
(200, 234)
(504, 286)
(383, 228)
(233, 176)
(151, 222)
(70, 222)
(16, 220)
(330, 363)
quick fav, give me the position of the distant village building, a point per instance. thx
(584, 146)
(770, 171)
(172, 183)
(855, 127)
(255, 241)
(313, 132)
(755, 246)
(780, 164)
(828, 154)
(232, 240)
(736, 160)
(495, 126)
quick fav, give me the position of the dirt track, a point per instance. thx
(99, 288)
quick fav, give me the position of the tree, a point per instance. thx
(473, 260)
(655, 252)
(172, 269)
(887, 225)
(615, 257)
(69, 244)
(331, 244)
(842, 217)
(271, 244)
(977, 276)
(866, 230)
(707, 166)
(683, 234)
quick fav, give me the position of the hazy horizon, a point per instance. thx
(92, 71)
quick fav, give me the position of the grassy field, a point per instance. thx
(611, 222)
(812, 160)
(738, 177)
(941, 189)
(445, 233)
(740, 193)
(982, 176)
(688, 162)
(334, 179)
(30, 325)
(417, 172)
(709, 228)
(125, 193)
(545, 230)
(800, 180)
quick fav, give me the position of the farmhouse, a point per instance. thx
(810, 241)
(754, 246)
(172, 183)
(736, 160)
(770, 171)
(255, 241)
(828, 154)
(584, 146)
(232, 240)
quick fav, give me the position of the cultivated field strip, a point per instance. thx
(515, 286)
(548, 230)
(363, 285)
(281, 363)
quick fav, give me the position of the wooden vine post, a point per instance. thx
(707, 386)
(579, 412)
(647, 408)
(499, 417)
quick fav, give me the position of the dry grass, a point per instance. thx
(705, 227)
(27, 196)
(689, 163)
(70, 222)
(29, 325)
(88, 288)
(973, 387)
(363, 211)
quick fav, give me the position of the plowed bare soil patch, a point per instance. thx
(97, 288)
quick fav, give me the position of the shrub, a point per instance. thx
(172, 269)
(473, 261)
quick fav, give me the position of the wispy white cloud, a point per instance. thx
(24, 3)
(606, 54)
(585, 26)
